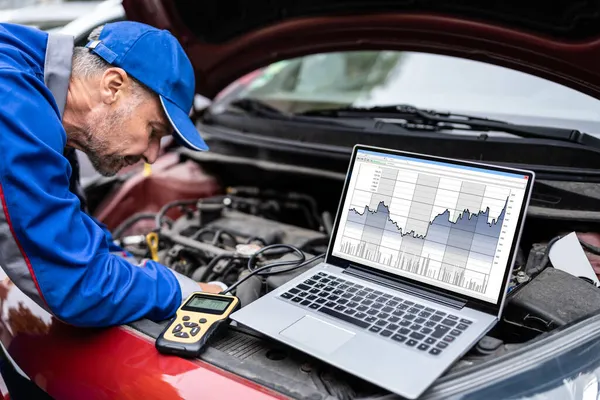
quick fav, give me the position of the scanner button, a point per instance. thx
(182, 335)
(177, 328)
(190, 324)
(202, 320)
(186, 318)
(195, 331)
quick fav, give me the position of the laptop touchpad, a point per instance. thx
(320, 335)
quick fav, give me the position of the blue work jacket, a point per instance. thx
(50, 248)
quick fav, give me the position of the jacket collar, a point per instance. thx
(57, 67)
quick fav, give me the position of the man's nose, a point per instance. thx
(151, 154)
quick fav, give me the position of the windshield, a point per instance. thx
(443, 83)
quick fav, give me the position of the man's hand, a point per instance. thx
(205, 287)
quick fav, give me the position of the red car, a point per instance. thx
(324, 76)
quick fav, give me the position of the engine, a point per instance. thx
(215, 238)
(225, 237)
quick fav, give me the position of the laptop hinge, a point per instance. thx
(440, 298)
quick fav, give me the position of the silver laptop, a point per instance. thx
(415, 274)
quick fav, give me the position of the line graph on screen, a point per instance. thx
(445, 229)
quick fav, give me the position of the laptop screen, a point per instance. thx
(448, 225)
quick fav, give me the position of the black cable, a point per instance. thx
(294, 249)
(213, 276)
(269, 266)
(590, 247)
(535, 270)
(129, 222)
(214, 262)
(312, 204)
(201, 232)
(217, 235)
(168, 206)
(222, 232)
(546, 258)
(231, 264)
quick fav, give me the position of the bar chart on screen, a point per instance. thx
(445, 228)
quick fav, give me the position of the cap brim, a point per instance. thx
(185, 131)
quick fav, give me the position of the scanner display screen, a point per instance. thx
(211, 305)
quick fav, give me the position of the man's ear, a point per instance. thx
(112, 84)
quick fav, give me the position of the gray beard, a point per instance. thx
(93, 141)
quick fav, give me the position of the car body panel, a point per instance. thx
(567, 54)
(119, 362)
(169, 180)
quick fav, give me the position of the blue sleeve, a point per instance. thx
(112, 247)
(75, 187)
(49, 248)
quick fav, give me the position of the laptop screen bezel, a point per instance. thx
(471, 302)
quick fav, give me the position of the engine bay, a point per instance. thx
(214, 238)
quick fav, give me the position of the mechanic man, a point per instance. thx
(114, 100)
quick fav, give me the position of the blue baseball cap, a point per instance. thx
(155, 58)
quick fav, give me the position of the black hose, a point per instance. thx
(312, 204)
(294, 249)
(129, 222)
(200, 232)
(545, 259)
(230, 265)
(214, 275)
(309, 217)
(222, 232)
(213, 263)
(177, 203)
(590, 247)
(217, 235)
(218, 258)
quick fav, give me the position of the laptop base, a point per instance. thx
(378, 359)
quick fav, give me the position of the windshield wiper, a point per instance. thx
(420, 119)
(259, 108)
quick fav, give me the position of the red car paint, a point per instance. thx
(572, 63)
(169, 181)
(117, 363)
(114, 363)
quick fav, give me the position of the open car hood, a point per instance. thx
(226, 39)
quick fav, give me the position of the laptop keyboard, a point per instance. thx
(414, 325)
